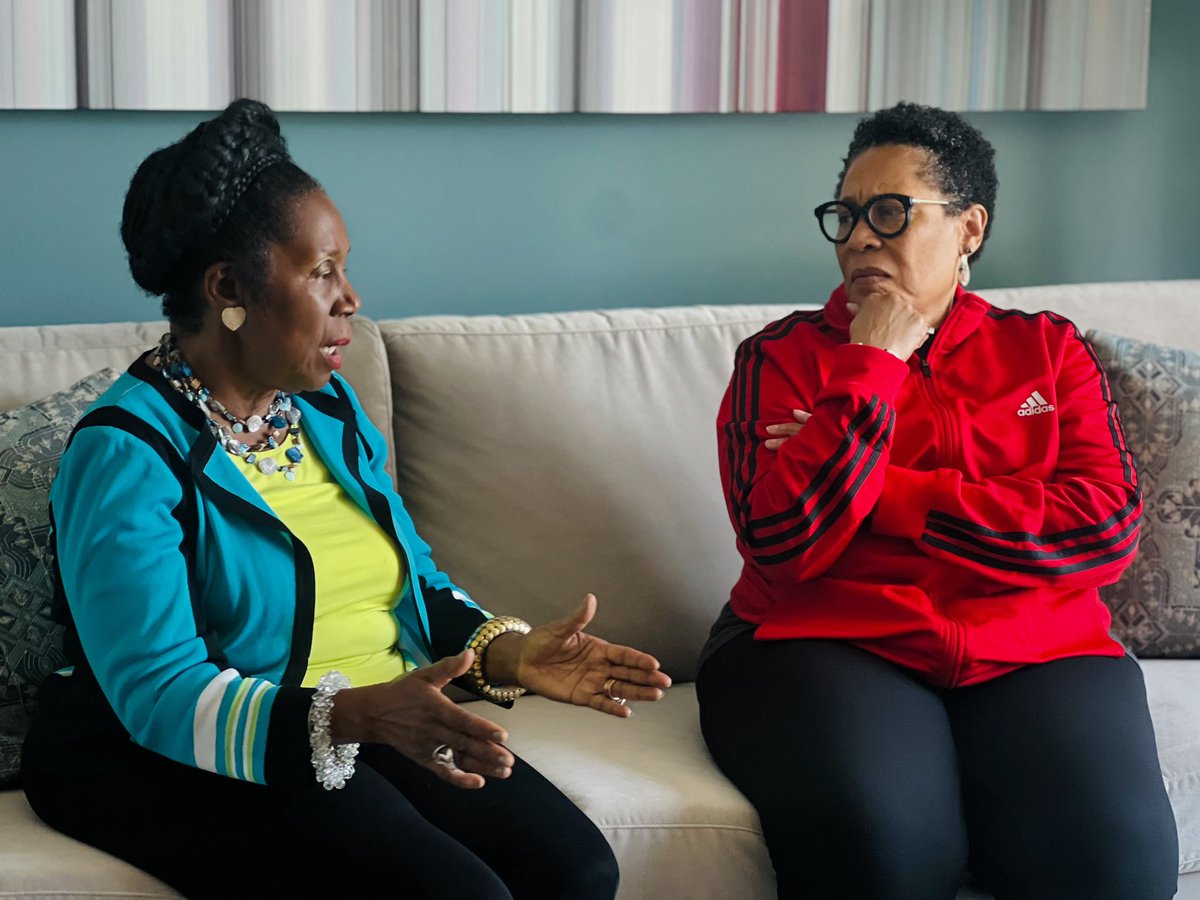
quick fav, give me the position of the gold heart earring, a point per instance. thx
(233, 317)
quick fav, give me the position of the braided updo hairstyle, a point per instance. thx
(220, 194)
(962, 163)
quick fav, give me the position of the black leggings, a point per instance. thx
(396, 829)
(870, 783)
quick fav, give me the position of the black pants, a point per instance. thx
(395, 830)
(870, 783)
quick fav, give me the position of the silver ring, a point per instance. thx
(444, 756)
(608, 686)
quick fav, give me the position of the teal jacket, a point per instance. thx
(188, 605)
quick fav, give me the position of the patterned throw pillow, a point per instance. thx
(1156, 604)
(32, 439)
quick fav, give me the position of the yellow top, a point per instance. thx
(359, 571)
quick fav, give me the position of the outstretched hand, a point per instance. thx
(560, 661)
(413, 715)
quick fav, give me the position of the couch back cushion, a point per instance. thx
(38, 360)
(545, 456)
(1163, 312)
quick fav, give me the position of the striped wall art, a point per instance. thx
(601, 56)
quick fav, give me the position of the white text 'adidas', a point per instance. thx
(1035, 404)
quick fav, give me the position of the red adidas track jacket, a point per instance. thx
(954, 514)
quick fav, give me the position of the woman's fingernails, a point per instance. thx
(772, 429)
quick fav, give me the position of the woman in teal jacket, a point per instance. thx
(232, 558)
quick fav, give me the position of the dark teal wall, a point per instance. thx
(493, 213)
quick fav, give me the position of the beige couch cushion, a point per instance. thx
(650, 785)
(1163, 312)
(545, 456)
(38, 862)
(38, 360)
(1173, 686)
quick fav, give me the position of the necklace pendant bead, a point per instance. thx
(238, 427)
(289, 474)
(254, 423)
(292, 414)
(272, 443)
(278, 421)
(267, 465)
(294, 454)
(250, 457)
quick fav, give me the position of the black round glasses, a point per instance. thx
(888, 215)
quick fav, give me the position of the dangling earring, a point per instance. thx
(964, 269)
(232, 317)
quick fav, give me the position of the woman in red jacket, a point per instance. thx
(914, 675)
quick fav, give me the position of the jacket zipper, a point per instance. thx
(948, 435)
(949, 456)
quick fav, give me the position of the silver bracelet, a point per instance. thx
(333, 764)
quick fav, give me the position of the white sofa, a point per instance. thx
(545, 456)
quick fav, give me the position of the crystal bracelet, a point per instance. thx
(479, 641)
(333, 764)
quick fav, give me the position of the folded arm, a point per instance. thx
(796, 507)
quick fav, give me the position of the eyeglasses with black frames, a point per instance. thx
(888, 215)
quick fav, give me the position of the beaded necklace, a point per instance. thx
(281, 414)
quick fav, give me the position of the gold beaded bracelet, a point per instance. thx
(479, 641)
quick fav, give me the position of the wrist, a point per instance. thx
(350, 720)
(877, 347)
(505, 663)
(332, 759)
(502, 658)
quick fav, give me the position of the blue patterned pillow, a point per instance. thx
(1156, 604)
(32, 439)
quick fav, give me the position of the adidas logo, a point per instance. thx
(1035, 404)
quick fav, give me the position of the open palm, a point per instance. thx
(560, 661)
